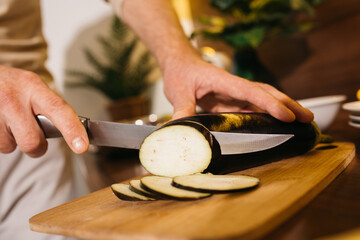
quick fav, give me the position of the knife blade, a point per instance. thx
(131, 136)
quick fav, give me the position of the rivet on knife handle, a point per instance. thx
(50, 130)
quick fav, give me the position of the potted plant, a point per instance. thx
(246, 24)
(124, 77)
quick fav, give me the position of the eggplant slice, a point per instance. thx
(124, 192)
(136, 186)
(163, 185)
(215, 183)
(179, 148)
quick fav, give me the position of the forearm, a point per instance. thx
(156, 23)
(190, 81)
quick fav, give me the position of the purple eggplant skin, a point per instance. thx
(306, 136)
(124, 197)
(163, 196)
(214, 191)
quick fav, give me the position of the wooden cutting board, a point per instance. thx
(286, 186)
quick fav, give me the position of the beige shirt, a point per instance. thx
(29, 186)
(22, 43)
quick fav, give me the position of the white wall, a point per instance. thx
(69, 26)
(62, 20)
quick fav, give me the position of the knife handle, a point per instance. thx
(49, 128)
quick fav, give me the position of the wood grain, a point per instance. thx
(336, 209)
(286, 186)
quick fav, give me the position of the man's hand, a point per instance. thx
(22, 96)
(194, 82)
(190, 81)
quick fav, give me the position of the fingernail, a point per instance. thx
(79, 145)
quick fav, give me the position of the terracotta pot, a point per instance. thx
(129, 108)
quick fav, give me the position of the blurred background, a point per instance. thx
(321, 61)
(307, 49)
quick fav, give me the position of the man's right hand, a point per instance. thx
(22, 96)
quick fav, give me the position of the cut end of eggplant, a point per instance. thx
(215, 183)
(124, 192)
(178, 149)
(163, 186)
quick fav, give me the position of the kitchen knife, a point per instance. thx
(124, 135)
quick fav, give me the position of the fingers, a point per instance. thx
(181, 95)
(18, 126)
(214, 103)
(26, 133)
(243, 90)
(7, 141)
(183, 108)
(216, 90)
(264, 97)
(65, 120)
(22, 96)
(302, 114)
(270, 104)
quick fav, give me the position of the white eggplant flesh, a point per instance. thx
(178, 149)
(163, 186)
(124, 192)
(215, 183)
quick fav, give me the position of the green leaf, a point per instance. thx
(93, 61)
(253, 38)
(118, 77)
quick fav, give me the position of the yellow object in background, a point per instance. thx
(182, 9)
(358, 94)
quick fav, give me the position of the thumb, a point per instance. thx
(184, 111)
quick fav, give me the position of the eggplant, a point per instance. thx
(215, 183)
(306, 137)
(178, 148)
(189, 187)
(163, 186)
(124, 192)
(135, 186)
(174, 139)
